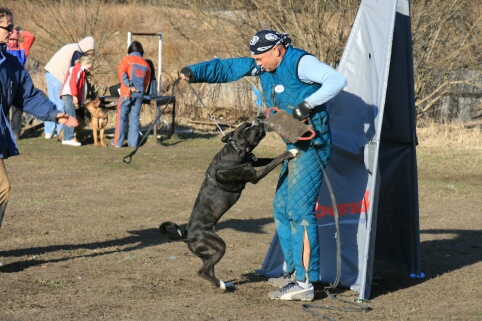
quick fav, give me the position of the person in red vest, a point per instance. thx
(73, 93)
(19, 50)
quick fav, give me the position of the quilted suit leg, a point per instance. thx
(293, 205)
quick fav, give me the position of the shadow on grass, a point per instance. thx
(460, 249)
(137, 240)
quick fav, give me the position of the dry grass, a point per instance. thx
(179, 49)
(449, 135)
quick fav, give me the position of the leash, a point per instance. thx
(359, 307)
(205, 107)
(128, 158)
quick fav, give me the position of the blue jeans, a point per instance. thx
(127, 119)
(53, 87)
(68, 102)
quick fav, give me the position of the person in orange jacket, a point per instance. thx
(134, 75)
(19, 50)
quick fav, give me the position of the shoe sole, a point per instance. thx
(294, 298)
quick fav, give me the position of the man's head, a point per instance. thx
(6, 24)
(13, 40)
(135, 46)
(268, 47)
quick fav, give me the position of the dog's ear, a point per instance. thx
(227, 137)
(240, 129)
(96, 102)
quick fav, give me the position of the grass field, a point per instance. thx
(80, 239)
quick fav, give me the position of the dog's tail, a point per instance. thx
(172, 231)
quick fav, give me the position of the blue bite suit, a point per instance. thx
(301, 177)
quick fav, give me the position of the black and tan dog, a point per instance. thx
(226, 177)
(99, 120)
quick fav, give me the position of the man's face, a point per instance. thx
(13, 42)
(5, 26)
(268, 60)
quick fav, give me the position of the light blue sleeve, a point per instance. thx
(311, 70)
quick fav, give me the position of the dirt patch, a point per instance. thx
(80, 239)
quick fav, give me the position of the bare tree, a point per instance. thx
(446, 36)
(217, 28)
(57, 23)
(446, 46)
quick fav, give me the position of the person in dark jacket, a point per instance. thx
(16, 88)
(297, 82)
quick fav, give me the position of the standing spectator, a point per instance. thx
(297, 82)
(134, 75)
(56, 70)
(16, 87)
(73, 93)
(19, 50)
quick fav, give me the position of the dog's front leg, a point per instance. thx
(261, 173)
(94, 131)
(102, 143)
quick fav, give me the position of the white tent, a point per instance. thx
(373, 168)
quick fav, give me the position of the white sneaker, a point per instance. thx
(48, 135)
(71, 142)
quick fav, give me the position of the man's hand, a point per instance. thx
(302, 111)
(132, 88)
(64, 119)
(186, 74)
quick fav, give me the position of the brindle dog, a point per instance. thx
(226, 177)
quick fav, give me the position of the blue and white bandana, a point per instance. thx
(266, 39)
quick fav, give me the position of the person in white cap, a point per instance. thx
(56, 70)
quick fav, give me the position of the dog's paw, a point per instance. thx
(293, 152)
(226, 286)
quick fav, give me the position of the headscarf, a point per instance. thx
(266, 39)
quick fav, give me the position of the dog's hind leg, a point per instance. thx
(210, 248)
